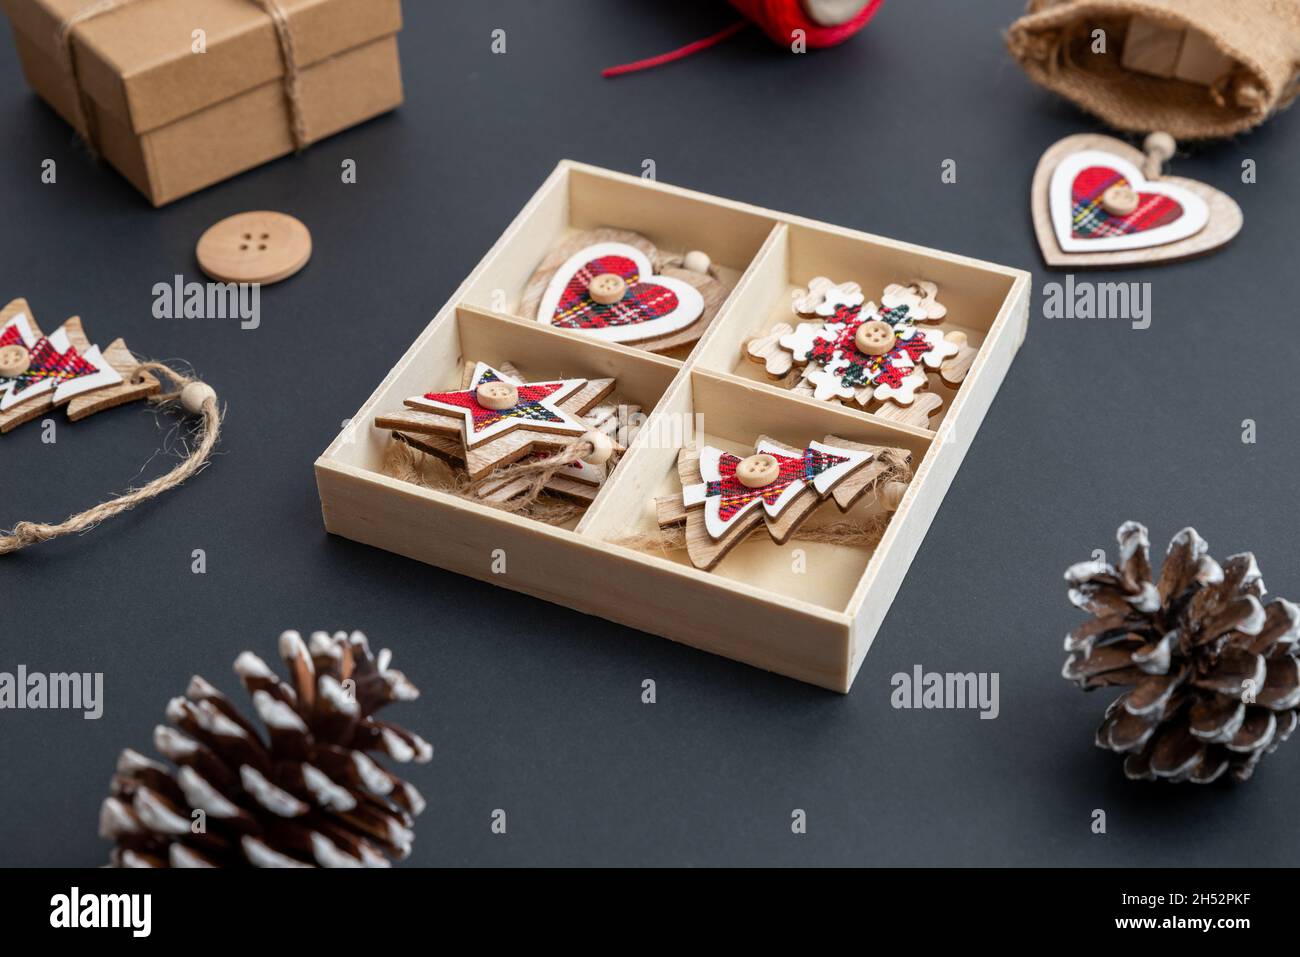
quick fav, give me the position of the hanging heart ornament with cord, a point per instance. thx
(1098, 202)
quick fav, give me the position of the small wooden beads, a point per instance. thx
(194, 395)
(602, 447)
(697, 261)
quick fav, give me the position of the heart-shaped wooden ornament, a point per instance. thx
(1094, 208)
(640, 306)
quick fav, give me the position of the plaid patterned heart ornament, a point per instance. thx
(643, 306)
(1096, 205)
(1164, 213)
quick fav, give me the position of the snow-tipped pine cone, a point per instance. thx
(303, 794)
(1214, 672)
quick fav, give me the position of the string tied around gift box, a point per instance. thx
(81, 112)
(198, 400)
(821, 23)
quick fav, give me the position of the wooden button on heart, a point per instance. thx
(14, 361)
(756, 471)
(497, 395)
(262, 247)
(607, 288)
(1119, 200)
(874, 337)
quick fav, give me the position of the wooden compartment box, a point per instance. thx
(815, 625)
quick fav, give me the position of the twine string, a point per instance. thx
(81, 112)
(207, 433)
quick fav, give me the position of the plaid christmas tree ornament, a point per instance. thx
(54, 365)
(725, 498)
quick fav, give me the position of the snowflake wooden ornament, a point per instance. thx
(726, 496)
(39, 372)
(849, 349)
(500, 419)
(865, 352)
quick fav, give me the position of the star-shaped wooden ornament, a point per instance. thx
(500, 419)
(725, 497)
(39, 373)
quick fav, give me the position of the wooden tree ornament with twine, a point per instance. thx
(132, 380)
(81, 114)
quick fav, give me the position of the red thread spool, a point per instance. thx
(779, 19)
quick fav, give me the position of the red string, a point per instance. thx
(677, 54)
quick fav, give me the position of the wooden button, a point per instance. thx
(14, 360)
(497, 395)
(874, 337)
(602, 447)
(262, 247)
(607, 288)
(1119, 200)
(756, 471)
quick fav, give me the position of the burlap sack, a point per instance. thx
(1054, 43)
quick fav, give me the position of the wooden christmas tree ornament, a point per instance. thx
(39, 373)
(604, 283)
(850, 350)
(1098, 203)
(725, 496)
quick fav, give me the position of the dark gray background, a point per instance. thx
(536, 709)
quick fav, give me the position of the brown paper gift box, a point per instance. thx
(174, 121)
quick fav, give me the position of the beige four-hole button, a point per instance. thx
(1119, 200)
(757, 471)
(497, 395)
(607, 288)
(14, 360)
(262, 247)
(874, 337)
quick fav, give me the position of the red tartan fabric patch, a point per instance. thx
(1090, 221)
(528, 407)
(46, 361)
(736, 495)
(859, 368)
(642, 302)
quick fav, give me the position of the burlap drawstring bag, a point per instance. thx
(1054, 43)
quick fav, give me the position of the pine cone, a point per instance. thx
(305, 794)
(1214, 673)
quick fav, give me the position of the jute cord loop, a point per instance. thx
(207, 433)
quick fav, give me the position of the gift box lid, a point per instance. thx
(138, 59)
